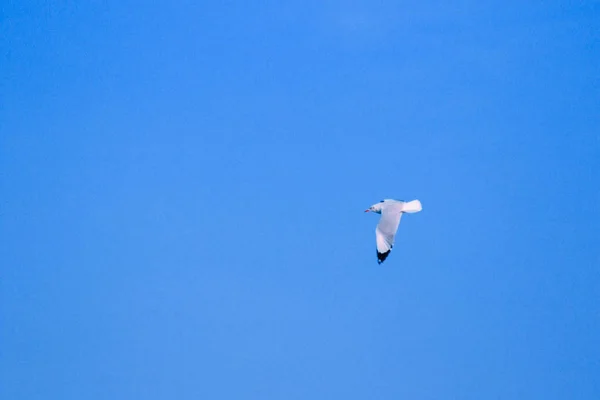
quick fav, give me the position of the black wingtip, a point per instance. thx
(382, 256)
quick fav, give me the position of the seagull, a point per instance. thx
(391, 211)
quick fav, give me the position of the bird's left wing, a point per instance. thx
(386, 230)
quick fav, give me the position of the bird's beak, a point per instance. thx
(367, 210)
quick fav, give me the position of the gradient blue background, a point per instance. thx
(183, 183)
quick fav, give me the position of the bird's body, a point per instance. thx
(391, 211)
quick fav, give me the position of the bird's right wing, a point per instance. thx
(386, 231)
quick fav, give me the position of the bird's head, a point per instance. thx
(376, 208)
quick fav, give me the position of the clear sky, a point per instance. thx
(182, 187)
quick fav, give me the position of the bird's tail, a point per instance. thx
(412, 206)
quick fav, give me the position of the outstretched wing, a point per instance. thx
(386, 230)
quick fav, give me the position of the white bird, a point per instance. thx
(391, 211)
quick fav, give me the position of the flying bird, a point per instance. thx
(391, 211)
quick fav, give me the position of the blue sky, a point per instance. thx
(182, 187)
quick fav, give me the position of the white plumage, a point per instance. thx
(391, 211)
